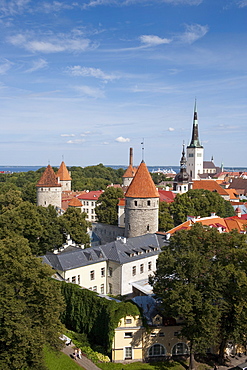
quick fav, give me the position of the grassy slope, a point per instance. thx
(59, 361)
(142, 366)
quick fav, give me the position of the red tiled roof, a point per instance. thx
(210, 185)
(48, 179)
(75, 203)
(130, 172)
(142, 185)
(91, 195)
(166, 196)
(63, 173)
(121, 202)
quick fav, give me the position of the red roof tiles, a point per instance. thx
(63, 173)
(48, 179)
(142, 185)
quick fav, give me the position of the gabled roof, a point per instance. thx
(75, 203)
(142, 185)
(239, 184)
(48, 179)
(91, 195)
(228, 224)
(166, 196)
(119, 251)
(130, 172)
(210, 185)
(63, 173)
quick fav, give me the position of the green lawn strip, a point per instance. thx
(59, 361)
(163, 365)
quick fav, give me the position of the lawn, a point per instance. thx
(164, 365)
(59, 361)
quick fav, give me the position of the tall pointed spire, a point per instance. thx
(195, 143)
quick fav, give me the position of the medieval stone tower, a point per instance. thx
(63, 177)
(195, 151)
(182, 181)
(130, 172)
(49, 191)
(141, 204)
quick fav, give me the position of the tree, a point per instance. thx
(107, 205)
(199, 202)
(165, 220)
(30, 306)
(74, 222)
(201, 276)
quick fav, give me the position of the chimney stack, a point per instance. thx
(131, 156)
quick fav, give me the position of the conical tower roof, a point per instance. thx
(130, 172)
(195, 143)
(142, 185)
(48, 179)
(63, 173)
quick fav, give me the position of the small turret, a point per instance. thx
(64, 177)
(182, 181)
(130, 172)
(49, 191)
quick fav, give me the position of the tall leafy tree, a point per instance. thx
(199, 202)
(30, 306)
(165, 220)
(74, 222)
(201, 276)
(107, 205)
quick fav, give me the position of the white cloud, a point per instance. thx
(90, 91)
(67, 135)
(242, 3)
(55, 6)
(171, 129)
(105, 143)
(5, 66)
(91, 72)
(13, 6)
(38, 64)
(52, 44)
(121, 139)
(76, 141)
(152, 40)
(93, 3)
(193, 32)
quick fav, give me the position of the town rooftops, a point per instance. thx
(226, 224)
(142, 185)
(210, 185)
(91, 195)
(121, 251)
(75, 202)
(63, 173)
(48, 179)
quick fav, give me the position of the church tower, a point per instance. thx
(63, 177)
(182, 181)
(130, 172)
(141, 204)
(49, 191)
(195, 151)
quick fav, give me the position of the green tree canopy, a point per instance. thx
(30, 306)
(74, 222)
(107, 205)
(199, 202)
(165, 220)
(201, 276)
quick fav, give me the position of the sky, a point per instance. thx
(83, 81)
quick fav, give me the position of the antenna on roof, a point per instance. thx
(142, 143)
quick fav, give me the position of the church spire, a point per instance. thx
(195, 143)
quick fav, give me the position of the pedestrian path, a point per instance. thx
(84, 362)
(234, 361)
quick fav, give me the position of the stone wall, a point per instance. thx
(46, 196)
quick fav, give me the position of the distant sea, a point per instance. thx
(11, 169)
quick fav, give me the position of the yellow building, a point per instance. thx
(134, 342)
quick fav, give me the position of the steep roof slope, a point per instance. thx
(142, 185)
(48, 179)
(130, 172)
(210, 185)
(63, 173)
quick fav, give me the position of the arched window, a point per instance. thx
(180, 349)
(157, 350)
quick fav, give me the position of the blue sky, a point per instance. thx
(86, 80)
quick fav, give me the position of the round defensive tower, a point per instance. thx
(48, 190)
(141, 204)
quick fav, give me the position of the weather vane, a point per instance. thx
(142, 143)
